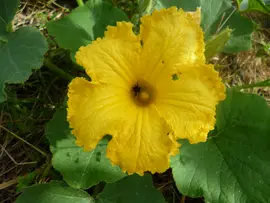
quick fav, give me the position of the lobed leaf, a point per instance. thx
(84, 24)
(20, 51)
(132, 189)
(80, 169)
(233, 165)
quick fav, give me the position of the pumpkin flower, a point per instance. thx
(146, 91)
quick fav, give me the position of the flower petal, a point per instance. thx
(141, 140)
(196, 15)
(146, 144)
(112, 58)
(95, 110)
(189, 103)
(172, 37)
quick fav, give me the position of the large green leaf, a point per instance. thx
(132, 189)
(80, 169)
(216, 16)
(53, 192)
(253, 5)
(7, 11)
(84, 24)
(234, 164)
(20, 51)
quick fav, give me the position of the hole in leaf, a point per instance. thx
(98, 156)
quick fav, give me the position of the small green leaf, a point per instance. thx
(84, 24)
(233, 165)
(146, 6)
(80, 169)
(253, 5)
(53, 192)
(265, 83)
(22, 52)
(240, 39)
(216, 43)
(24, 181)
(132, 189)
(8, 9)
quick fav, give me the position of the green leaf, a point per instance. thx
(233, 165)
(253, 5)
(146, 6)
(84, 24)
(53, 192)
(216, 16)
(80, 169)
(265, 83)
(24, 181)
(216, 43)
(132, 189)
(22, 51)
(190, 5)
(241, 36)
(7, 12)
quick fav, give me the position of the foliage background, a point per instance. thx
(32, 104)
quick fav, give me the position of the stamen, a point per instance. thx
(144, 97)
(142, 93)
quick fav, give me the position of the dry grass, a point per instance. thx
(246, 68)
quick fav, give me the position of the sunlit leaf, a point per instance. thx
(80, 169)
(84, 24)
(233, 165)
(216, 43)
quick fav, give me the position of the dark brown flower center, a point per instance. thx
(143, 94)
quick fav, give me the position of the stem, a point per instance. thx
(57, 70)
(265, 83)
(8, 183)
(46, 171)
(19, 138)
(9, 27)
(80, 2)
(183, 199)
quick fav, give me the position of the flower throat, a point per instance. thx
(142, 93)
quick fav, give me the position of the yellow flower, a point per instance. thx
(133, 97)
